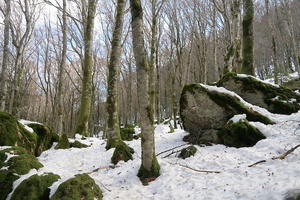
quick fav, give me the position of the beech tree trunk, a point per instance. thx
(149, 167)
(4, 75)
(113, 127)
(248, 38)
(86, 92)
(59, 109)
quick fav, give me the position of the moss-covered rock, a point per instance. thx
(77, 144)
(63, 142)
(35, 187)
(187, 152)
(276, 99)
(292, 84)
(127, 133)
(45, 137)
(122, 152)
(147, 176)
(7, 179)
(293, 195)
(13, 133)
(82, 186)
(21, 163)
(239, 134)
(205, 111)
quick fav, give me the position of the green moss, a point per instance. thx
(171, 127)
(187, 152)
(12, 133)
(78, 144)
(35, 187)
(7, 179)
(240, 134)
(80, 187)
(63, 142)
(226, 101)
(22, 164)
(127, 133)
(293, 84)
(252, 85)
(122, 152)
(45, 137)
(145, 175)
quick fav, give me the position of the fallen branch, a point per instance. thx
(171, 149)
(280, 157)
(171, 153)
(197, 170)
(104, 167)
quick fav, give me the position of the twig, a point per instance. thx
(171, 149)
(171, 153)
(202, 171)
(261, 161)
(280, 157)
(99, 168)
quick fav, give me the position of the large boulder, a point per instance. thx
(205, 110)
(14, 161)
(35, 187)
(275, 99)
(82, 186)
(45, 137)
(13, 133)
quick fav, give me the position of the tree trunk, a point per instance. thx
(4, 75)
(59, 109)
(113, 127)
(149, 167)
(248, 38)
(86, 94)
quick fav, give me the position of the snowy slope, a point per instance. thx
(270, 180)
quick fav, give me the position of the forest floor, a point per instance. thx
(182, 179)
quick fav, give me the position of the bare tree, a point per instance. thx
(149, 167)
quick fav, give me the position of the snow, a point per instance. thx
(273, 179)
(26, 122)
(263, 81)
(269, 180)
(237, 118)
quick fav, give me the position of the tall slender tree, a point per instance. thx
(248, 38)
(3, 75)
(149, 167)
(86, 91)
(61, 73)
(113, 126)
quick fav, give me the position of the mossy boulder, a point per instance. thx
(127, 133)
(77, 144)
(82, 186)
(204, 110)
(187, 152)
(293, 195)
(293, 84)
(35, 187)
(276, 99)
(45, 137)
(63, 142)
(13, 133)
(21, 163)
(122, 152)
(239, 134)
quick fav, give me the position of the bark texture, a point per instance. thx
(150, 167)
(86, 94)
(4, 75)
(248, 38)
(113, 127)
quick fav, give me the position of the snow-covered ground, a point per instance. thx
(270, 180)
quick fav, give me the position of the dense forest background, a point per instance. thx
(186, 40)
